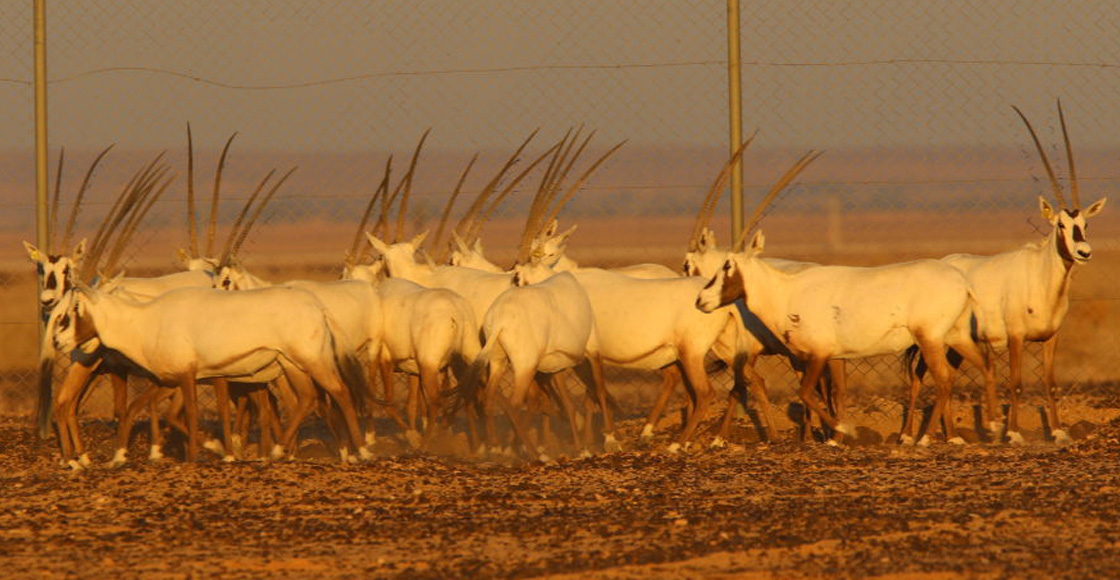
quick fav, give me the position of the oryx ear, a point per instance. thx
(563, 238)
(459, 242)
(707, 240)
(377, 244)
(79, 252)
(1095, 208)
(34, 254)
(419, 239)
(1046, 209)
(758, 241)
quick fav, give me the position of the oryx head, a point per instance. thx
(56, 273)
(1068, 222)
(68, 323)
(372, 272)
(703, 258)
(531, 273)
(399, 258)
(548, 247)
(470, 255)
(729, 283)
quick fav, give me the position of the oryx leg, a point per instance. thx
(1015, 381)
(265, 418)
(190, 403)
(982, 359)
(813, 370)
(65, 398)
(581, 437)
(697, 381)
(385, 369)
(1049, 347)
(221, 394)
(836, 386)
(304, 391)
(670, 378)
(515, 408)
(490, 397)
(148, 398)
(934, 354)
(430, 387)
(329, 380)
(595, 363)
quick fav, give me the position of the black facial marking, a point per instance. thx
(1078, 234)
(51, 282)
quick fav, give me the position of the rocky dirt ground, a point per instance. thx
(752, 510)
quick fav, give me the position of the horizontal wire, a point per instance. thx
(567, 67)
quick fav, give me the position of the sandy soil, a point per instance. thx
(753, 510)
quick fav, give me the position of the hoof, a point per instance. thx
(995, 427)
(236, 443)
(228, 459)
(956, 441)
(905, 440)
(674, 448)
(119, 459)
(215, 446)
(924, 441)
(371, 438)
(1015, 438)
(611, 444)
(584, 454)
(1061, 437)
(154, 453)
(647, 431)
(543, 458)
(84, 460)
(75, 465)
(277, 452)
(413, 438)
(364, 453)
(832, 443)
(344, 454)
(845, 429)
(718, 443)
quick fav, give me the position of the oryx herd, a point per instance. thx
(454, 322)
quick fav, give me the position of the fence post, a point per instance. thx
(735, 109)
(42, 235)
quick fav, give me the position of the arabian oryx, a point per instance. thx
(841, 312)
(1024, 294)
(248, 336)
(544, 327)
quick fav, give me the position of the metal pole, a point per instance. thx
(735, 108)
(42, 235)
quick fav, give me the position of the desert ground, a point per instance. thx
(782, 509)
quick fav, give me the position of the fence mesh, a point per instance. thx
(912, 103)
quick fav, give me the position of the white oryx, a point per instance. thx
(1024, 294)
(249, 336)
(843, 312)
(544, 327)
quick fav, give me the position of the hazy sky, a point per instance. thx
(328, 76)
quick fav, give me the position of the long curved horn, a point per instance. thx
(257, 212)
(132, 195)
(437, 247)
(1045, 160)
(227, 249)
(402, 209)
(781, 184)
(1069, 158)
(192, 225)
(213, 228)
(77, 205)
(352, 254)
(52, 210)
(715, 192)
(476, 228)
(579, 183)
(153, 191)
(466, 223)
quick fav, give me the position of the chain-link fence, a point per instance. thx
(912, 103)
